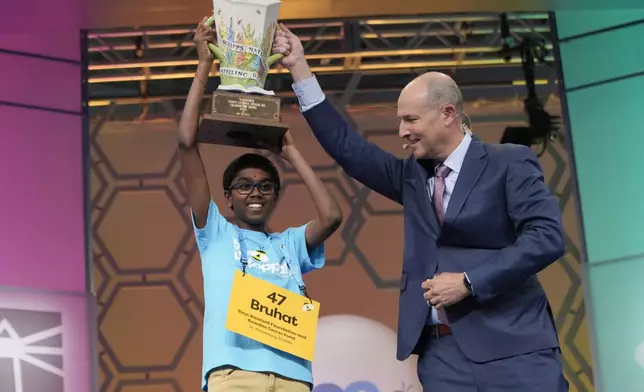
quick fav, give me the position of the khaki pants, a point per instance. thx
(227, 380)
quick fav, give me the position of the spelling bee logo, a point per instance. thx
(31, 351)
(259, 255)
(258, 260)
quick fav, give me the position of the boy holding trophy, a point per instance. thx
(259, 322)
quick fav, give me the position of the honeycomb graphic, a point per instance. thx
(147, 271)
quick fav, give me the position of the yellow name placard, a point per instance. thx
(273, 315)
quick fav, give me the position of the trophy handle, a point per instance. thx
(272, 59)
(213, 48)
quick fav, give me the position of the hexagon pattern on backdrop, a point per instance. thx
(147, 271)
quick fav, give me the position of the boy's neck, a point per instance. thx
(247, 226)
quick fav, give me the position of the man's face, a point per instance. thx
(252, 196)
(424, 127)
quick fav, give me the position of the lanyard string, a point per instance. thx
(294, 268)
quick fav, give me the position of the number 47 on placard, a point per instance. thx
(276, 298)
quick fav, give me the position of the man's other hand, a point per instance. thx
(289, 45)
(445, 289)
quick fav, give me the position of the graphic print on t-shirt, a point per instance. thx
(259, 259)
(259, 255)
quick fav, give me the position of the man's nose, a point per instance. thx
(402, 131)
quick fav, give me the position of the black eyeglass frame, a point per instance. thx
(253, 185)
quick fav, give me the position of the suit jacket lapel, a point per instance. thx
(473, 165)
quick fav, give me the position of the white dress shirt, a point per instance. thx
(455, 162)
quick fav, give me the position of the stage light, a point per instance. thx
(517, 135)
(542, 127)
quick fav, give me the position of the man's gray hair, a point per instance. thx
(444, 92)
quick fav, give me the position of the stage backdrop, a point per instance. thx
(148, 276)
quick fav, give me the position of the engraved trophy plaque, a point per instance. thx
(243, 114)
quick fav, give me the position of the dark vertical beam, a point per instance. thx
(87, 216)
(351, 41)
(86, 161)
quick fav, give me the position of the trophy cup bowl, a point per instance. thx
(243, 113)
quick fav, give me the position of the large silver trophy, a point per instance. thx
(243, 113)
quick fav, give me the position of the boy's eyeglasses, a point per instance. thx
(246, 188)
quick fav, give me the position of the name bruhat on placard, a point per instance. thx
(273, 312)
(272, 315)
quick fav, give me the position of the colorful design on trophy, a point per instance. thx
(244, 42)
(244, 37)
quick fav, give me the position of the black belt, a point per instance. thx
(435, 331)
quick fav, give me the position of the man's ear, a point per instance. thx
(450, 114)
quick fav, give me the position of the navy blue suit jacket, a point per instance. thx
(501, 227)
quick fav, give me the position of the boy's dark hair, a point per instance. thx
(246, 161)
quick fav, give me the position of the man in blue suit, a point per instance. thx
(480, 223)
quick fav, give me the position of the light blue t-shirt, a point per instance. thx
(218, 244)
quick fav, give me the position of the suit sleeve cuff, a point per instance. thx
(309, 93)
(470, 282)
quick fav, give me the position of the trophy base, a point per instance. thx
(238, 131)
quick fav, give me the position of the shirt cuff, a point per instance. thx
(309, 93)
(470, 282)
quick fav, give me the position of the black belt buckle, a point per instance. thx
(434, 332)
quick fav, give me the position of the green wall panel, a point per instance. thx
(607, 136)
(603, 75)
(605, 56)
(570, 22)
(618, 320)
